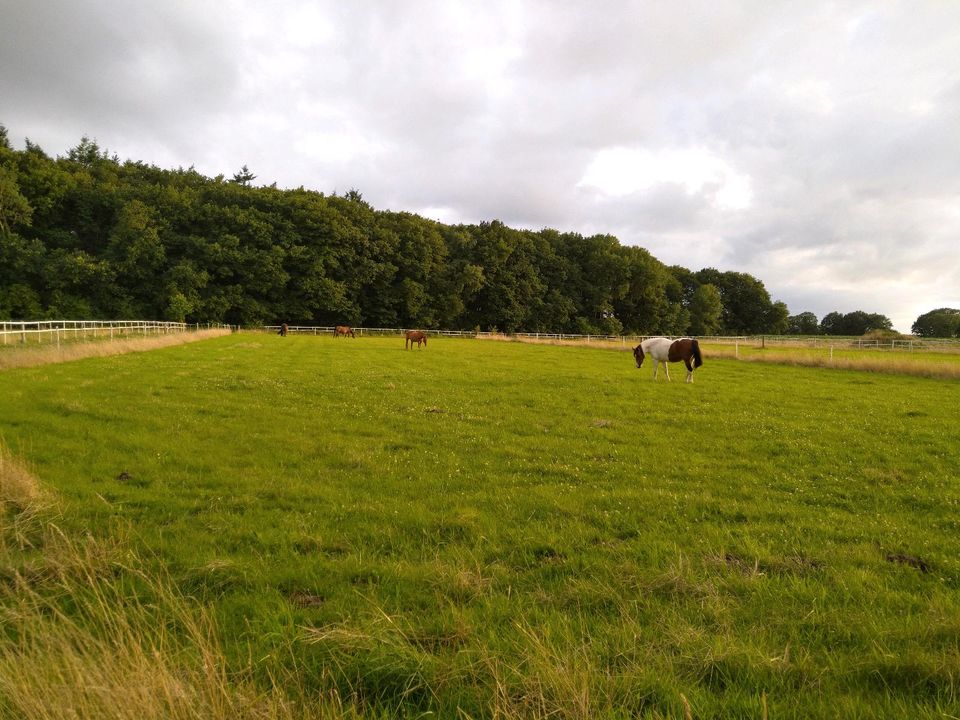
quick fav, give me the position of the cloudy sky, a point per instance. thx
(815, 145)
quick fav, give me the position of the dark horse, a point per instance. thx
(663, 350)
(343, 330)
(414, 336)
(282, 332)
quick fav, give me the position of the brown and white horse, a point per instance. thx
(664, 350)
(343, 330)
(414, 336)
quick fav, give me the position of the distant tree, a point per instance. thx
(354, 195)
(857, 322)
(876, 321)
(832, 323)
(705, 310)
(643, 303)
(244, 177)
(747, 308)
(85, 235)
(803, 324)
(87, 153)
(776, 320)
(942, 322)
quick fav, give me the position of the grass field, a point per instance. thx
(484, 529)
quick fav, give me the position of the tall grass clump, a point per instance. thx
(86, 633)
(32, 355)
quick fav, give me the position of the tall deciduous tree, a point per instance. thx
(940, 323)
(705, 310)
(14, 208)
(804, 323)
(88, 235)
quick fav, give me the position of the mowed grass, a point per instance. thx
(488, 529)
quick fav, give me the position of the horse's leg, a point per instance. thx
(686, 362)
(666, 369)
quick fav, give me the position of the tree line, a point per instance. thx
(87, 236)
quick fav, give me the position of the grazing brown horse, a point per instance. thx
(343, 330)
(282, 332)
(414, 336)
(663, 350)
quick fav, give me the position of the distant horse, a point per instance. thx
(282, 332)
(663, 350)
(343, 330)
(414, 336)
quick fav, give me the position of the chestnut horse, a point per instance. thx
(414, 336)
(663, 350)
(343, 330)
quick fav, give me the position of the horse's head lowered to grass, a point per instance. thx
(664, 350)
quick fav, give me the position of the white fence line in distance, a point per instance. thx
(816, 341)
(56, 331)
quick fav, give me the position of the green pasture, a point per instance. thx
(482, 529)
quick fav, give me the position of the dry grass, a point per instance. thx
(19, 489)
(80, 642)
(30, 356)
(882, 361)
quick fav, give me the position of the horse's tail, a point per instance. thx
(697, 357)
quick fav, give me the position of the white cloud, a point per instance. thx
(620, 171)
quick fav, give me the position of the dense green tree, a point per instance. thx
(87, 235)
(747, 308)
(832, 323)
(777, 318)
(15, 210)
(940, 323)
(706, 308)
(243, 177)
(642, 303)
(857, 322)
(19, 301)
(803, 324)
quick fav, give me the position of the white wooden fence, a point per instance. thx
(816, 341)
(57, 331)
(328, 330)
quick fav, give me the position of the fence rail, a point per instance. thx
(815, 341)
(40, 331)
(56, 331)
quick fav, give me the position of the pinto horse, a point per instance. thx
(343, 330)
(663, 350)
(414, 336)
